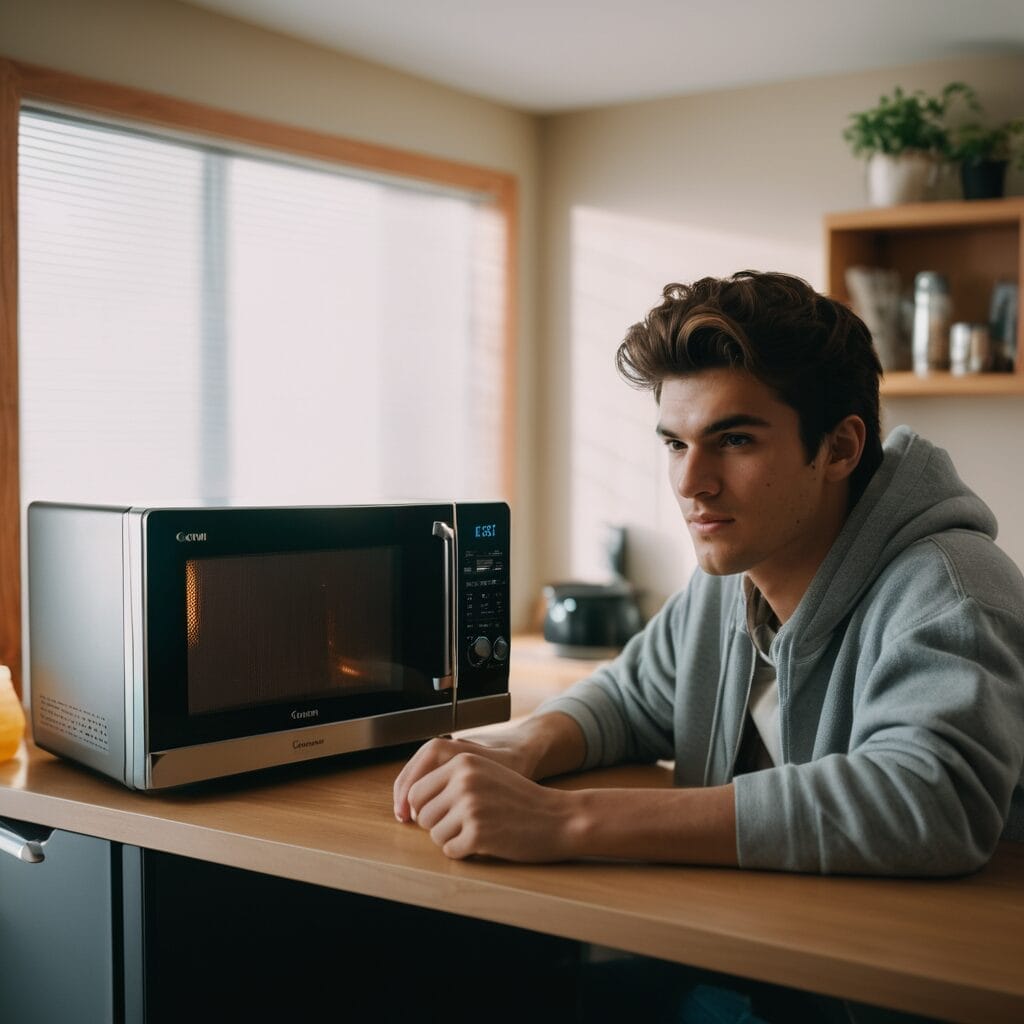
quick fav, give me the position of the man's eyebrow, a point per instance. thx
(739, 419)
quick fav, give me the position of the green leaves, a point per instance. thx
(907, 121)
(974, 142)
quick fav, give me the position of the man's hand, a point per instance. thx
(473, 804)
(537, 748)
(435, 753)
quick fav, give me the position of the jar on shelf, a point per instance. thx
(970, 349)
(1003, 324)
(932, 313)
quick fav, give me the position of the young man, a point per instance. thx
(841, 686)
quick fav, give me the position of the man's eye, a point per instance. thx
(674, 445)
(735, 440)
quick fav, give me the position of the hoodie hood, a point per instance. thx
(915, 493)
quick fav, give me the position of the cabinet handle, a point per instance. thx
(28, 850)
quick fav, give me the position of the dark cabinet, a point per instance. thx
(226, 944)
(97, 931)
(59, 928)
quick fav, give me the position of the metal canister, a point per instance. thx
(932, 308)
(1003, 324)
(970, 348)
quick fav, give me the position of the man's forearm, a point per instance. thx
(691, 826)
(555, 743)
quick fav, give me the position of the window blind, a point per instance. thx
(200, 324)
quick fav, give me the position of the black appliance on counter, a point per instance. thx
(594, 620)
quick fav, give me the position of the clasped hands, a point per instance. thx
(476, 797)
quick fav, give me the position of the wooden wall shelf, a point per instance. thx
(974, 243)
(903, 384)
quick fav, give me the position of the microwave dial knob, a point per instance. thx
(500, 649)
(479, 650)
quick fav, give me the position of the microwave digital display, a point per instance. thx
(290, 627)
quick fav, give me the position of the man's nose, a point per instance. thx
(697, 475)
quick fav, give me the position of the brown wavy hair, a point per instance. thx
(815, 353)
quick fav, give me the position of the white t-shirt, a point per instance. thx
(762, 743)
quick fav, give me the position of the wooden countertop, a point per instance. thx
(538, 673)
(952, 948)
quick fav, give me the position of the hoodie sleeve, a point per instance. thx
(625, 708)
(935, 752)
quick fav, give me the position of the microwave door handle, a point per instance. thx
(446, 681)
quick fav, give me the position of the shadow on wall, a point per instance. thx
(616, 470)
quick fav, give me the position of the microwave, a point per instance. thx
(174, 645)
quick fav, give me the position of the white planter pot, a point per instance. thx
(905, 178)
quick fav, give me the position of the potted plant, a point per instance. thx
(984, 154)
(904, 137)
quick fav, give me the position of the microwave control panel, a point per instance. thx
(484, 590)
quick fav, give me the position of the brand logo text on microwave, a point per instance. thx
(299, 744)
(314, 713)
(188, 538)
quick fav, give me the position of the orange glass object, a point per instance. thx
(12, 716)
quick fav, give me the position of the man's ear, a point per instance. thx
(844, 447)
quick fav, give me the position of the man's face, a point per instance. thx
(740, 474)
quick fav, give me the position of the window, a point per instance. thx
(202, 324)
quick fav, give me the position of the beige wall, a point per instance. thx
(186, 52)
(642, 194)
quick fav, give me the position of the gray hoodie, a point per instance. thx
(901, 689)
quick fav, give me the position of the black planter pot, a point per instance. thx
(983, 179)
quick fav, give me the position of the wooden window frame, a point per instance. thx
(21, 83)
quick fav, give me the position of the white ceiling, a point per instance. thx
(552, 55)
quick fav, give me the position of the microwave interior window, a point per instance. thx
(289, 627)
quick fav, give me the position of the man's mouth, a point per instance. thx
(705, 525)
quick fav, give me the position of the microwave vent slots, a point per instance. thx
(74, 722)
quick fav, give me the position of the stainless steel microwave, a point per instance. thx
(173, 645)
